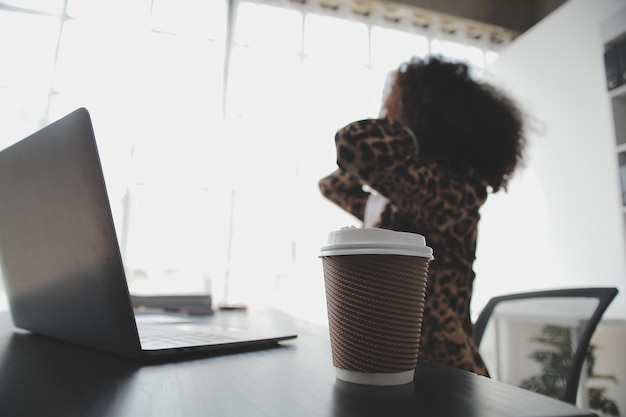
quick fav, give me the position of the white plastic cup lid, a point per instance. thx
(356, 241)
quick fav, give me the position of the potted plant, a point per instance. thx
(555, 359)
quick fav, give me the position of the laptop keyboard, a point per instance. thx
(168, 336)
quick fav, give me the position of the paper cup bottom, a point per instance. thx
(371, 378)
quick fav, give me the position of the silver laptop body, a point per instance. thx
(60, 258)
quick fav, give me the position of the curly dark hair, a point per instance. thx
(459, 122)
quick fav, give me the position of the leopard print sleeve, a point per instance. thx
(380, 153)
(343, 189)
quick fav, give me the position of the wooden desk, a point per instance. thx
(44, 377)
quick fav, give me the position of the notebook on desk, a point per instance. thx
(60, 258)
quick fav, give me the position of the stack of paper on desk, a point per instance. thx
(183, 303)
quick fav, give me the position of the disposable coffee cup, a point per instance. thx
(375, 282)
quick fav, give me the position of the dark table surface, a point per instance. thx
(44, 377)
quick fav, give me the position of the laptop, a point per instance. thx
(60, 258)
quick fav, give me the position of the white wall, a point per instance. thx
(560, 224)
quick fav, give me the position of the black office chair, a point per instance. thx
(552, 328)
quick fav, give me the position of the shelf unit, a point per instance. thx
(614, 38)
(618, 104)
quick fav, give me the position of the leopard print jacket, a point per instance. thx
(425, 198)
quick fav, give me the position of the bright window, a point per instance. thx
(47, 6)
(213, 137)
(29, 62)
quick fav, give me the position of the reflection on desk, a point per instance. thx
(44, 377)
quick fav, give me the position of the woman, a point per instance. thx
(426, 166)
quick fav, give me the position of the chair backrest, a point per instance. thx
(539, 340)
